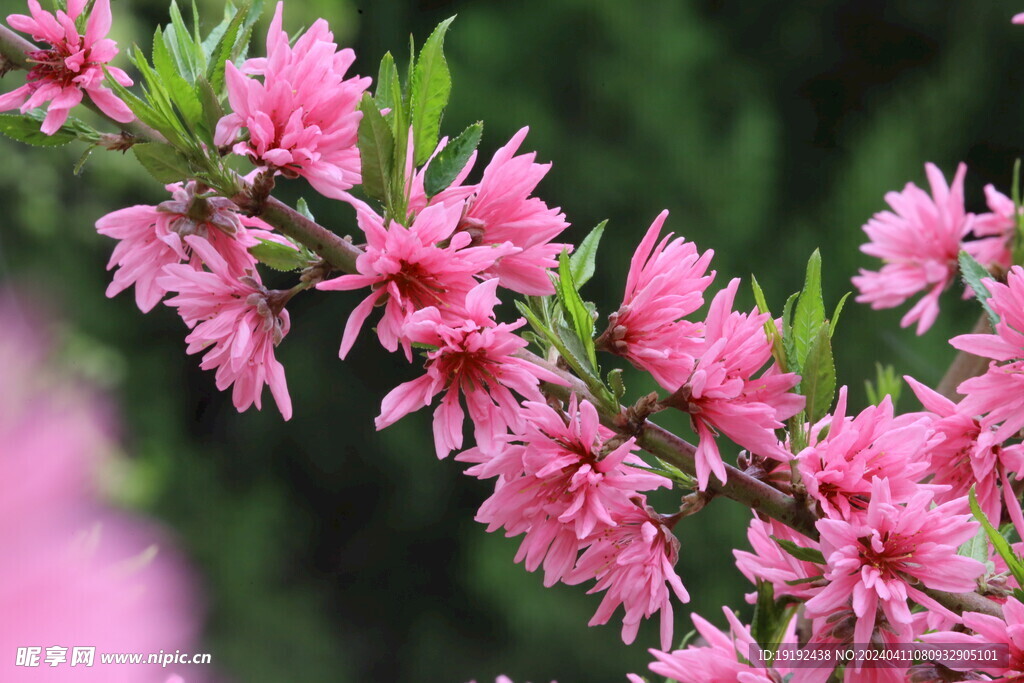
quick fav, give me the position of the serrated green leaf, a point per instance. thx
(973, 273)
(186, 52)
(616, 384)
(792, 361)
(161, 161)
(770, 620)
(278, 256)
(430, 89)
(389, 89)
(181, 93)
(583, 259)
(887, 383)
(580, 321)
(213, 111)
(810, 309)
(818, 377)
(809, 579)
(376, 150)
(80, 164)
(143, 110)
(450, 161)
(25, 128)
(226, 48)
(799, 552)
(770, 330)
(1001, 545)
(835, 315)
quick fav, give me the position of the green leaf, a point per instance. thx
(430, 89)
(187, 53)
(162, 161)
(835, 315)
(582, 261)
(450, 161)
(579, 318)
(278, 256)
(181, 92)
(792, 362)
(376, 149)
(142, 109)
(809, 579)
(810, 309)
(1002, 546)
(818, 379)
(302, 207)
(80, 164)
(976, 548)
(799, 552)
(887, 383)
(226, 49)
(25, 128)
(616, 384)
(771, 618)
(389, 89)
(213, 111)
(973, 273)
(770, 330)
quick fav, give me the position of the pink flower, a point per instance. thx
(408, 270)
(473, 357)
(883, 558)
(838, 470)
(72, 65)
(770, 562)
(666, 282)
(500, 210)
(961, 455)
(1018, 18)
(989, 630)
(918, 244)
(302, 118)
(998, 395)
(236, 321)
(726, 656)
(634, 562)
(151, 237)
(995, 231)
(558, 486)
(76, 574)
(721, 393)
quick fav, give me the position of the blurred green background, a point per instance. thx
(331, 552)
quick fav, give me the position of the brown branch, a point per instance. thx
(965, 365)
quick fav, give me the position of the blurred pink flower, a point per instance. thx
(151, 237)
(666, 282)
(408, 270)
(75, 573)
(558, 486)
(72, 66)
(918, 244)
(998, 395)
(721, 394)
(302, 118)
(634, 561)
(472, 358)
(838, 470)
(995, 231)
(885, 557)
(235, 321)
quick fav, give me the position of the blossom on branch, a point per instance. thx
(428, 264)
(884, 558)
(561, 482)
(998, 395)
(235, 321)
(151, 237)
(472, 358)
(666, 282)
(919, 242)
(302, 118)
(71, 67)
(721, 393)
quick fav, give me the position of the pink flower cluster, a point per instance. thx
(71, 67)
(920, 239)
(196, 245)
